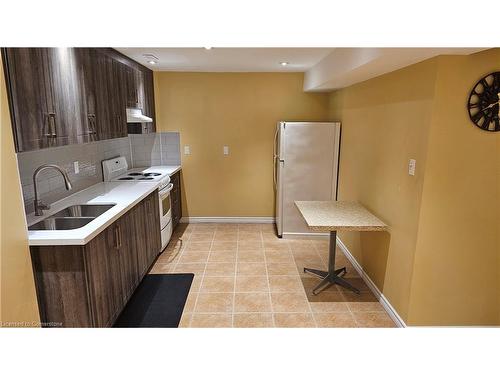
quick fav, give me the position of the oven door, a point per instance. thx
(165, 206)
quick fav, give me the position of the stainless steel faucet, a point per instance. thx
(39, 206)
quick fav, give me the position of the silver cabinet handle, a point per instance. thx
(92, 124)
(117, 237)
(51, 118)
(120, 236)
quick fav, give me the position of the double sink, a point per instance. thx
(72, 217)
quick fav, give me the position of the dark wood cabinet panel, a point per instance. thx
(68, 101)
(105, 281)
(119, 100)
(61, 286)
(175, 196)
(88, 286)
(28, 80)
(148, 223)
(149, 98)
(127, 234)
(60, 96)
(94, 114)
(153, 228)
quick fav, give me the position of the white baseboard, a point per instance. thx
(305, 236)
(378, 294)
(228, 219)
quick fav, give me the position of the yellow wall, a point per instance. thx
(18, 298)
(235, 109)
(439, 264)
(385, 123)
(456, 273)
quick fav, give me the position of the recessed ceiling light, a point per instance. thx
(150, 58)
(284, 63)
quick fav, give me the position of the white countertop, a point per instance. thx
(168, 169)
(124, 195)
(339, 215)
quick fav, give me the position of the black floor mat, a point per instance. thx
(157, 302)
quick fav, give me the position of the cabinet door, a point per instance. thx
(154, 234)
(141, 237)
(147, 226)
(27, 78)
(132, 95)
(104, 92)
(61, 285)
(140, 89)
(105, 281)
(175, 195)
(126, 229)
(149, 98)
(119, 100)
(68, 99)
(87, 77)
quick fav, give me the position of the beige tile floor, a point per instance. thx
(245, 276)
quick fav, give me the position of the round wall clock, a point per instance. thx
(483, 105)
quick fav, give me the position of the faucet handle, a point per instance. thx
(39, 207)
(44, 206)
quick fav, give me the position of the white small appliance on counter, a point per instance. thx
(116, 170)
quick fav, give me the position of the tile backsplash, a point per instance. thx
(155, 149)
(140, 150)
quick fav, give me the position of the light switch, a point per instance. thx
(76, 166)
(226, 150)
(411, 167)
(187, 150)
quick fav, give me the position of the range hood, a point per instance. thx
(134, 115)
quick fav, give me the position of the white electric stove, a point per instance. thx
(116, 170)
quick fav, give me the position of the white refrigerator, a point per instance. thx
(306, 159)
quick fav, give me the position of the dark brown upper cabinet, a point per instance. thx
(61, 96)
(149, 97)
(44, 95)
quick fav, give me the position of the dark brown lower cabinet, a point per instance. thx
(88, 286)
(175, 196)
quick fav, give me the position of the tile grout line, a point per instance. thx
(235, 273)
(267, 278)
(176, 261)
(189, 234)
(305, 293)
(341, 293)
(202, 278)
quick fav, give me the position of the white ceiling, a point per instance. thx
(229, 59)
(326, 69)
(346, 66)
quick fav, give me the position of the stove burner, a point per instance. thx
(146, 178)
(152, 174)
(126, 178)
(135, 174)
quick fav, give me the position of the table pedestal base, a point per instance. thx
(332, 276)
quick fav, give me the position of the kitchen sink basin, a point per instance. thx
(61, 223)
(83, 210)
(72, 217)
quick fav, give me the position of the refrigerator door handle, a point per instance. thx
(276, 162)
(275, 145)
(274, 171)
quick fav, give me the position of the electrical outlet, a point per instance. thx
(225, 150)
(76, 166)
(187, 150)
(411, 167)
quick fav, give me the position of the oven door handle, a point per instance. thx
(166, 190)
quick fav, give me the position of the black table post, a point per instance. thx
(331, 276)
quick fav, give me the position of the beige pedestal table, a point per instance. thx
(331, 216)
